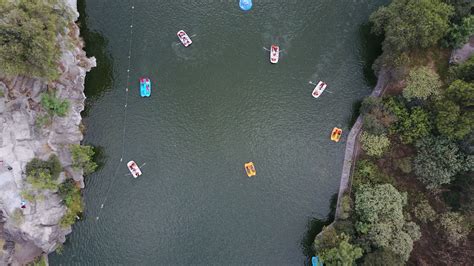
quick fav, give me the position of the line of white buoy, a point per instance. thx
(124, 116)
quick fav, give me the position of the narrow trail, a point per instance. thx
(125, 108)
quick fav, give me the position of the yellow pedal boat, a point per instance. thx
(336, 134)
(250, 169)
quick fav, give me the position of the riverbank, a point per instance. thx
(34, 230)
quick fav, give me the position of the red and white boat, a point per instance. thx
(318, 90)
(274, 54)
(134, 169)
(184, 38)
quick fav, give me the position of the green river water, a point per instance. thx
(214, 106)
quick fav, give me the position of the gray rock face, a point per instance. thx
(28, 232)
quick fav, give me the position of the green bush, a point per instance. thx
(367, 172)
(41, 179)
(411, 24)
(458, 35)
(424, 212)
(51, 166)
(326, 240)
(343, 254)
(54, 105)
(438, 160)
(43, 174)
(82, 158)
(422, 82)
(72, 199)
(464, 71)
(461, 92)
(455, 227)
(344, 226)
(374, 145)
(451, 121)
(346, 207)
(28, 37)
(373, 125)
(410, 124)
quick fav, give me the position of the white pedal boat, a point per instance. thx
(184, 38)
(318, 90)
(274, 54)
(134, 169)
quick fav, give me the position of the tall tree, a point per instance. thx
(411, 24)
(438, 160)
(380, 219)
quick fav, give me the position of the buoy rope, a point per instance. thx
(125, 107)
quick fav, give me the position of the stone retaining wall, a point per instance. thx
(352, 147)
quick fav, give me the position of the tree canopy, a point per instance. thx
(411, 24)
(344, 253)
(28, 37)
(438, 160)
(410, 123)
(374, 145)
(380, 219)
(422, 82)
(464, 71)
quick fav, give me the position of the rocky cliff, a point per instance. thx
(26, 233)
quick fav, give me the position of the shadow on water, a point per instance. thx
(99, 157)
(100, 78)
(314, 227)
(371, 48)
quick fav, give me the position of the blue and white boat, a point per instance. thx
(245, 5)
(145, 87)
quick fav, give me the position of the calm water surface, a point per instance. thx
(215, 106)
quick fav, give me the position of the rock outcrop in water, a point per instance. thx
(27, 233)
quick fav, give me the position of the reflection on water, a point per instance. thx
(100, 78)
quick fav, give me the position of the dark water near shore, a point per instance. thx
(215, 106)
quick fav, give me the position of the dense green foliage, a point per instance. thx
(52, 166)
(464, 71)
(411, 24)
(454, 226)
(438, 160)
(451, 121)
(380, 219)
(367, 172)
(454, 113)
(82, 158)
(424, 212)
(459, 34)
(43, 174)
(374, 145)
(461, 92)
(410, 124)
(28, 37)
(422, 82)
(382, 257)
(54, 105)
(71, 196)
(343, 254)
(376, 117)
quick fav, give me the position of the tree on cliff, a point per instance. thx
(28, 37)
(411, 24)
